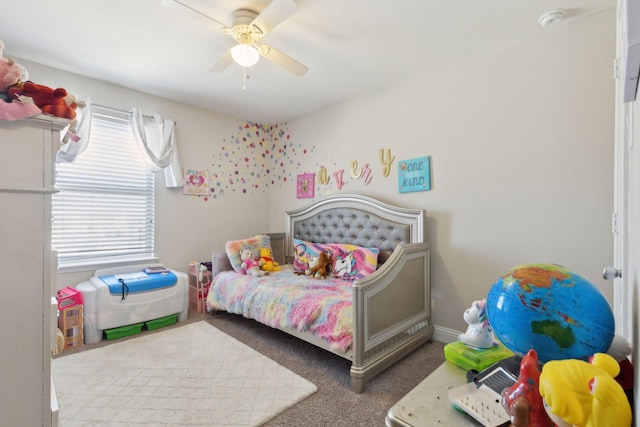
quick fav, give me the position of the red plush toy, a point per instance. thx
(522, 400)
(55, 102)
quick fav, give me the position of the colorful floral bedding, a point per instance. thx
(285, 300)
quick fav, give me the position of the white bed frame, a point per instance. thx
(392, 307)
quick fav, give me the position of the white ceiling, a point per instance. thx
(350, 46)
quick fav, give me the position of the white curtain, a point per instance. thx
(156, 137)
(75, 137)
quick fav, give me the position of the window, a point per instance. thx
(104, 210)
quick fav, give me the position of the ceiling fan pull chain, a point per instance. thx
(244, 78)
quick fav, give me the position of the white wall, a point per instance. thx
(521, 145)
(188, 228)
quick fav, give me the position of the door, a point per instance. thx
(626, 224)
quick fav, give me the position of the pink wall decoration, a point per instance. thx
(305, 185)
(196, 182)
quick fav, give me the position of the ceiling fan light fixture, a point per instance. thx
(245, 55)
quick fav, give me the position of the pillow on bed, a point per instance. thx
(233, 248)
(351, 262)
(303, 251)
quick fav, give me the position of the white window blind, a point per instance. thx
(104, 210)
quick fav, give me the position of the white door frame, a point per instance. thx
(626, 218)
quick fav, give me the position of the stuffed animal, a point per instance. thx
(11, 73)
(267, 263)
(56, 102)
(319, 266)
(249, 263)
(584, 394)
(522, 400)
(204, 275)
(479, 333)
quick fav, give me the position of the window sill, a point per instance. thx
(97, 264)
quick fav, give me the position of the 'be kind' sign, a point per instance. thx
(414, 175)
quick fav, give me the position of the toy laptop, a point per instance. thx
(471, 358)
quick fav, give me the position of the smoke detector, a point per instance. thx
(551, 17)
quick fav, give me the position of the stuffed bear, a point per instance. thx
(11, 73)
(55, 102)
(267, 263)
(250, 264)
(319, 266)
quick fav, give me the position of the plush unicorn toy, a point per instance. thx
(479, 333)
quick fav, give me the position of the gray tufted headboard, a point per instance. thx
(350, 218)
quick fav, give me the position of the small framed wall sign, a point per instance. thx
(414, 175)
(196, 182)
(304, 185)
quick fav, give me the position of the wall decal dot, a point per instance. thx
(248, 155)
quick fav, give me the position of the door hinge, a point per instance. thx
(617, 75)
(614, 223)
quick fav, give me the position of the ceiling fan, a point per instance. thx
(247, 29)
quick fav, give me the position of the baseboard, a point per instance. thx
(445, 335)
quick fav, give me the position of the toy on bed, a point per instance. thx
(319, 266)
(479, 333)
(584, 394)
(267, 263)
(249, 263)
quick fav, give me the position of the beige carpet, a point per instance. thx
(191, 375)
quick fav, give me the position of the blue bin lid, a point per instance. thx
(138, 282)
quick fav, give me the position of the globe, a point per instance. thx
(552, 310)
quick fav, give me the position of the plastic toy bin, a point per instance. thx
(161, 322)
(110, 305)
(124, 331)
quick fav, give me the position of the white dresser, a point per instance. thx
(27, 270)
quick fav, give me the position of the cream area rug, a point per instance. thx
(192, 375)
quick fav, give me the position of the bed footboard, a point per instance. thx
(392, 312)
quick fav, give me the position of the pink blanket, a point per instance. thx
(287, 301)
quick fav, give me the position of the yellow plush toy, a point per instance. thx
(267, 263)
(577, 393)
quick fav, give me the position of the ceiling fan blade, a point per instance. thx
(286, 62)
(195, 14)
(222, 63)
(276, 12)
